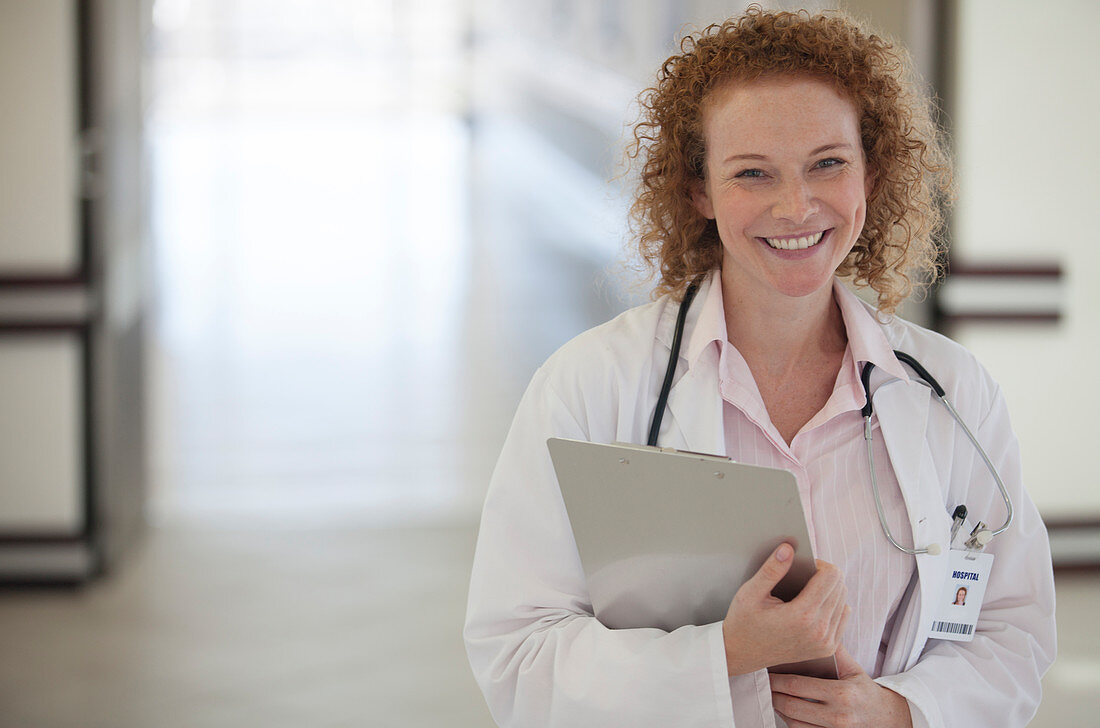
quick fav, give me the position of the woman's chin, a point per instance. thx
(803, 286)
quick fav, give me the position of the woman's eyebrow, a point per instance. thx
(735, 157)
(761, 157)
(831, 147)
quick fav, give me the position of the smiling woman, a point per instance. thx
(785, 182)
(909, 174)
(780, 153)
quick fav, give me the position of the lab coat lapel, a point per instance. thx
(902, 409)
(693, 420)
(695, 410)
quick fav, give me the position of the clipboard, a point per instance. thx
(666, 537)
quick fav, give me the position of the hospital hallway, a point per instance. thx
(351, 285)
(348, 308)
(326, 427)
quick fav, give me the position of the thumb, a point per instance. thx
(772, 571)
(846, 665)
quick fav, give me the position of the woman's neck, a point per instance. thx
(779, 334)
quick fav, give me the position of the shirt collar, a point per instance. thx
(711, 324)
(866, 339)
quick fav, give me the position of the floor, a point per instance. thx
(327, 411)
(249, 626)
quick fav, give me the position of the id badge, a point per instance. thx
(963, 592)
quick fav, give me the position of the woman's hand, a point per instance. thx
(761, 630)
(853, 701)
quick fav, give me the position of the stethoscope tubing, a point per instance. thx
(989, 465)
(673, 357)
(929, 381)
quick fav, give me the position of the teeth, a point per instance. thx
(795, 243)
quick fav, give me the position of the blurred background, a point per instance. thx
(274, 274)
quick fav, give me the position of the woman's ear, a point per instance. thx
(868, 182)
(701, 200)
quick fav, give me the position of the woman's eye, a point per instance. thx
(831, 162)
(750, 173)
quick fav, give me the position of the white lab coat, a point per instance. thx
(542, 659)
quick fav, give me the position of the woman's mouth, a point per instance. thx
(795, 243)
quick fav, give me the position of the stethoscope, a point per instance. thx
(979, 537)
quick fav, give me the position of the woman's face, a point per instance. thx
(960, 595)
(786, 183)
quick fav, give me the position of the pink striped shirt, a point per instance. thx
(828, 457)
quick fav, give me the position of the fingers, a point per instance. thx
(771, 573)
(799, 712)
(800, 686)
(841, 625)
(846, 665)
(812, 701)
(760, 630)
(837, 615)
(822, 610)
(854, 700)
(792, 723)
(833, 610)
(822, 583)
(832, 602)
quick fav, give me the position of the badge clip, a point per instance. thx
(979, 537)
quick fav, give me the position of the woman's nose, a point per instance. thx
(795, 202)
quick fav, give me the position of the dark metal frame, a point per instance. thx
(81, 328)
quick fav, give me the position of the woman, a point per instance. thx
(960, 597)
(779, 152)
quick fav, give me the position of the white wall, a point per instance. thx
(1025, 118)
(41, 444)
(38, 138)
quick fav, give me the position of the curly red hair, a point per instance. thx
(899, 246)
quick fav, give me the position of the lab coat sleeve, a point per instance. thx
(995, 679)
(537, 652)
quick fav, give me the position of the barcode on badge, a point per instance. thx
(952, 628)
